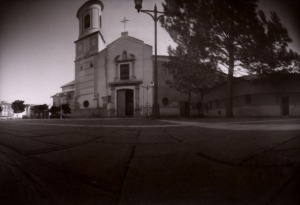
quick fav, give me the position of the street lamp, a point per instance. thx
(155, 17)
(60, 97)
(147, 87)
(96, 98)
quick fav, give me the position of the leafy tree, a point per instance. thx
(39, 110)
(232, 33)
(18, 106)
(54, 110)
(189, 75)
(66, 108)
(270, 54)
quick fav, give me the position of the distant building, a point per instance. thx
(7, 111)
(277, 96)
(111, 80)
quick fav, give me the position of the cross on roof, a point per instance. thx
(124, 21)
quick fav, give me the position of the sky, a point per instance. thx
(37, 49)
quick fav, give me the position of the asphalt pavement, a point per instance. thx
(144, 161)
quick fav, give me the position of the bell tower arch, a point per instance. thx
(88, 45)
(91, 39)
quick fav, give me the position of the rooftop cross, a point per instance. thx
(124, 21)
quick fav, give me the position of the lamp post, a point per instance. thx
(147, 87)
(60, 100)
(96, 98)
(155, 16)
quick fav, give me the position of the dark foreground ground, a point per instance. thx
(140, 161)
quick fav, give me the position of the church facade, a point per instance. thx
(116, 80)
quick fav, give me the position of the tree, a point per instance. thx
(39, 110)
(18, 106)
(233, 34)
(272, 43)
(66, 108)
(54, 110)
(189, 75)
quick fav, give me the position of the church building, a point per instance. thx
(116, 80)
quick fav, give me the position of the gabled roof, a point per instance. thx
(130, 38)
(68, 84)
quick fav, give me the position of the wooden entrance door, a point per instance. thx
(129, 102)
(285, 106)
(125, 103)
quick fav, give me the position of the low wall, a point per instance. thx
(169, 112)
(255, 111)
(89, 113)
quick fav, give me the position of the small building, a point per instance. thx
(253, 96)
(66, 96)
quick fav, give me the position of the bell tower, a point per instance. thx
(90, 40)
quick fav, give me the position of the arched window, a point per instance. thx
(87, 21)
(124, 55)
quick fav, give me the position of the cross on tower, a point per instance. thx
(124, 21)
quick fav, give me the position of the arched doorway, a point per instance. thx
(125, 103)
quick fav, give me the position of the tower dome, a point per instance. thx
(90, 17)
(90, 40)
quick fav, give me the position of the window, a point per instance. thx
(124, 55)
(86, 103)
(87, 21)
(165, 101)
(124, 71)
(248, 99)
(100, 21)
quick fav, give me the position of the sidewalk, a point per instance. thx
(243, 124)
(148, 162)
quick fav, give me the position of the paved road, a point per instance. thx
(140, 161)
